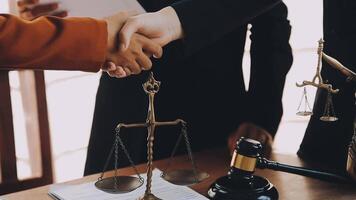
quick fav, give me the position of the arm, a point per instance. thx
(72, 44)
(199, 22)
(206, 21)
(52, 43)
(271, 59)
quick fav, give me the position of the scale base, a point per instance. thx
(226, 188)
(123, 184)
(184, 177)
(149, 197)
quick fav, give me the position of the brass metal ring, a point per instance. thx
(243, 162)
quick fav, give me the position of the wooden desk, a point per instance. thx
(215, 162)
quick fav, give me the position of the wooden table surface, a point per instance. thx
(216, 163)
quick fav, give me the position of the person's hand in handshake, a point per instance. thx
(135, 58)
(161, 27)
(31, 9)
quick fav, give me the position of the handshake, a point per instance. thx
(132, 40)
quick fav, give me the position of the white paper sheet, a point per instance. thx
(97, 8)
(160, 187)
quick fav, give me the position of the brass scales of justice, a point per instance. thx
(123, 184)
(350, 77)
(317, 81)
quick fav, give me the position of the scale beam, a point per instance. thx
(171, 123)
(317, 80)
(138, 125)
(327, 87)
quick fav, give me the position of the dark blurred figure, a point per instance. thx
(327, 142)
(211, 97)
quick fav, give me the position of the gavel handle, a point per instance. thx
(263, 163)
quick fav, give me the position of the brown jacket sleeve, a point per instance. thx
(52, 43)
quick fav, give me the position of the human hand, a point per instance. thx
(252, 131)
(162, 27)
(133, 59)
(31, 9)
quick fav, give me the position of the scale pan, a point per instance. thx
(304, 113)
(124, 184)
(184, 177)
(328, 119)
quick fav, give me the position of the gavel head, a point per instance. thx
(240, 183)
(245, 157)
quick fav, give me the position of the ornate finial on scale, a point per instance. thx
(121, 184)
(152, 85)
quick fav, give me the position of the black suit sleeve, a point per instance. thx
(271, 59)
(206, 21)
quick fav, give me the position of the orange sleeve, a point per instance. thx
(52, 43)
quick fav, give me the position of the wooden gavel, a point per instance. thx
(241, 184)
(249, 161)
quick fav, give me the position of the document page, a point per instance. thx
(160, 187)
